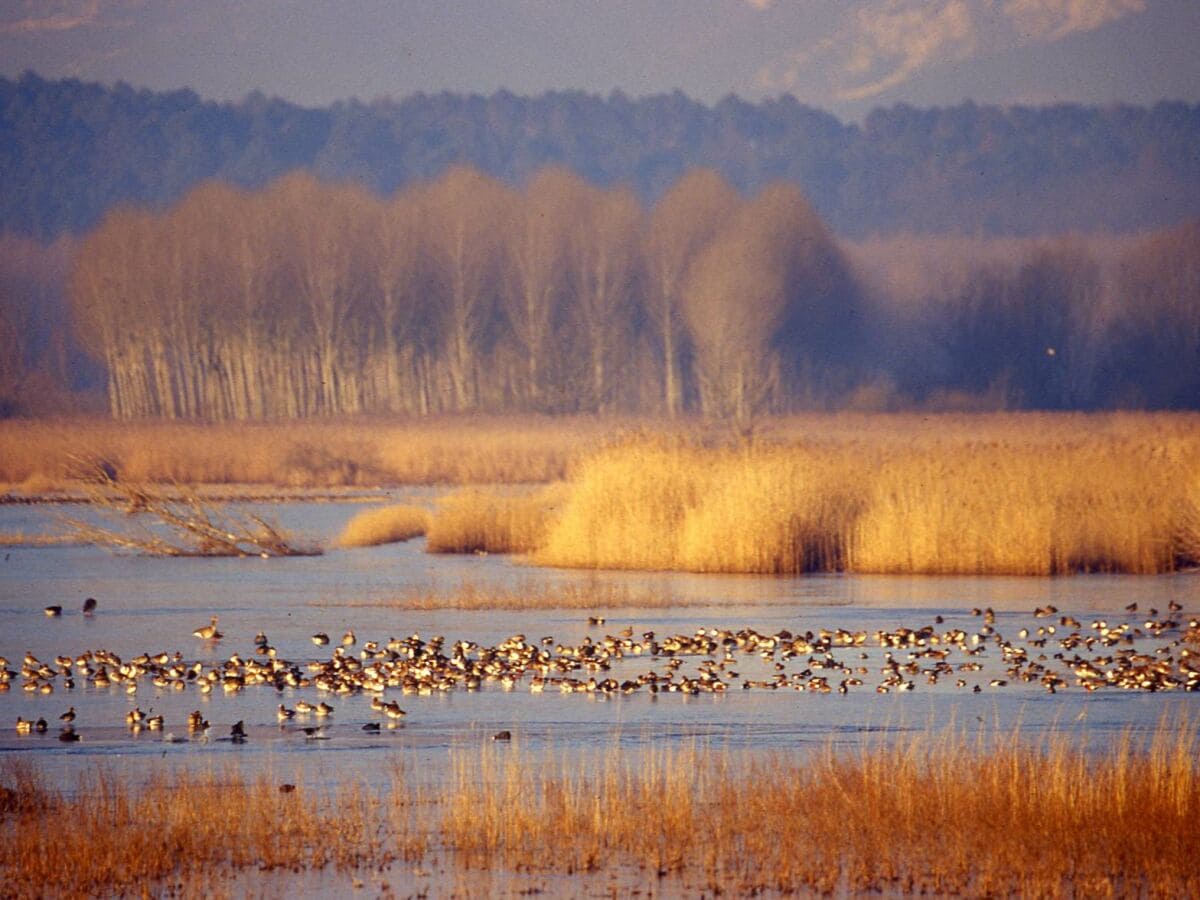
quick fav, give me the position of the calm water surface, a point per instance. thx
(151, 604)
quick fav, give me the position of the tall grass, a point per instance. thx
(487, 521)
(385, 525)
(937, 814)
(934, 813)
(1018, 495)
(112, 835)
(312, 453)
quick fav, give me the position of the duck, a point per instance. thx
(320, 639)
(68, 717)
(237, 733)
(53, 611)
(89, 606)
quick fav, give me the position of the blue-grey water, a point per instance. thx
(149, 604)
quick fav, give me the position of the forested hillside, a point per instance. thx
(70, 151)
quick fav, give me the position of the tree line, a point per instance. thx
(70, 151)
(464, 294)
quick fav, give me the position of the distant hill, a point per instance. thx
(69, 151)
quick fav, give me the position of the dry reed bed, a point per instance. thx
(936, 813)
(1100, 499)
(111, 835)
(386, 525)
(38, 456)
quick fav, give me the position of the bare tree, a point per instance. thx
(538, 247)
(605, 258)
(683, 221)
(466, 217)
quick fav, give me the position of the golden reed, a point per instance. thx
(940, 813)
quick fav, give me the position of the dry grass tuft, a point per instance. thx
(478, 521)
(387, 525)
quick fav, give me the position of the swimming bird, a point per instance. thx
(52, 611)
(24, 726)
(196, 722)
(209, 632)
(68, 716)
(371, 726)
(349, 639)
(237, 733)
(68, 735)
(89, 606)
(320, 639)
(502, 736)
(284, 713)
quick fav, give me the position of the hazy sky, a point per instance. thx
(842, 55)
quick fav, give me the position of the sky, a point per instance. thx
(845, 56)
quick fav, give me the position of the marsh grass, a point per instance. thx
(386, 525)
(488, 521)
(111, 834)
(1013, 495)
(940, 813)
(597, 596)
(934, 814)
(36, 455)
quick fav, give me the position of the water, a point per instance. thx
(152, 604)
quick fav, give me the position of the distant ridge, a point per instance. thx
(70, 151)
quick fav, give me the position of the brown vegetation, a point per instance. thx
(596, 596)
(125, 836)
(387, 525)
(1061, 820)
(1017, 495)
(315, 453)
(475, 521)
(179, 523)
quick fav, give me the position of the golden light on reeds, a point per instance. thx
(385, 525)
(1086, 496)
(475, 521)
(932, 813)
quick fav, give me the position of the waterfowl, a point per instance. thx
(68, 735)
(89, 606)
(349, 639)
(502, 736)
(24, 726)
(237, 733)
(68, 716)
(209, 632)
(283, 713)
(52, 611)
(320, 639)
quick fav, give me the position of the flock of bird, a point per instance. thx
(1058, 652)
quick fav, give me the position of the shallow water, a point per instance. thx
(152, 604)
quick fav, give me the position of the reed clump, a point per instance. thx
(1091, 495)
(490, 521)
(112, 835)
(937, 814)
(385, 525)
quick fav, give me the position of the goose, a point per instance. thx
(209, 632)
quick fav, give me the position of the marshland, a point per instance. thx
(658, 701)
(468, 495)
